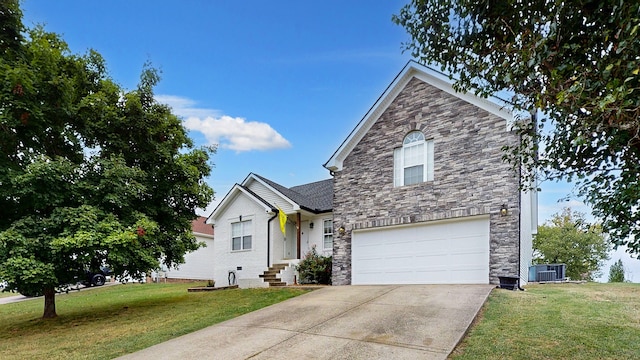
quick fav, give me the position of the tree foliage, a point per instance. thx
(616, 272)
(578, 61)
(568, 239)
(90, 174)
(10, 26)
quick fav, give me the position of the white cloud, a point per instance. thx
(186, 107)
(238, 134)
(227, 132)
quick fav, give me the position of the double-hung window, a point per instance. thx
(413, 162)
(328, 234)
(241, 235)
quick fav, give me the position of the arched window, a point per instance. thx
(413, 162)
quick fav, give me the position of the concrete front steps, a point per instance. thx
(270, 275)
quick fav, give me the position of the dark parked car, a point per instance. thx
(91, 278)
(96, 278)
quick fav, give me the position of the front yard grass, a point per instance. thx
(115, 320)
(557, 321)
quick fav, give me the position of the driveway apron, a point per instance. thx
(340, 322)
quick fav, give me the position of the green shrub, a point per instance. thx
(315, 268)
(616, 272)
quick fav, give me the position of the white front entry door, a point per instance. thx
(304, 238)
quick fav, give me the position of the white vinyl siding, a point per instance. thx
(328, 234)
(241, 235)
(413, 162)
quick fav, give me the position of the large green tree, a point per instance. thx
(90, 174)
(578, 61)
(568, 239)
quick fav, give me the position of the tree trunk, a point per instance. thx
(49, 303)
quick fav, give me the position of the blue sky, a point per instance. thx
(278, 85)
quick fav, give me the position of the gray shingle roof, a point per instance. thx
(316, 197)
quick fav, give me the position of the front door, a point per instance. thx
(304, 238)
(290, 241)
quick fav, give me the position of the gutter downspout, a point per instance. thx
(269, 238)
(520, 229)
(520, 219)
(298, 235)
(535, 127)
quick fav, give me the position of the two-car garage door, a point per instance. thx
(442, 252)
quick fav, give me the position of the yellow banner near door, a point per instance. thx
(283, 221)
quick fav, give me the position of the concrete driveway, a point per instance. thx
(12, 299)
(340, 322)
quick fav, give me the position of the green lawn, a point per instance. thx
(115, 320)
(576, 321)
(559, 321)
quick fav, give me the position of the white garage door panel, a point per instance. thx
(438, 253)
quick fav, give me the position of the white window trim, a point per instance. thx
(241, 220)
(398, 163)
(324, 234)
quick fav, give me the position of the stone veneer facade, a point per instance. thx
(470, 177)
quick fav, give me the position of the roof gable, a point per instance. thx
(282, 192)
(236, 191)
(316, 197)
(410, 71)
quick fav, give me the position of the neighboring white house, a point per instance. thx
(249, 240)
(198, 265)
